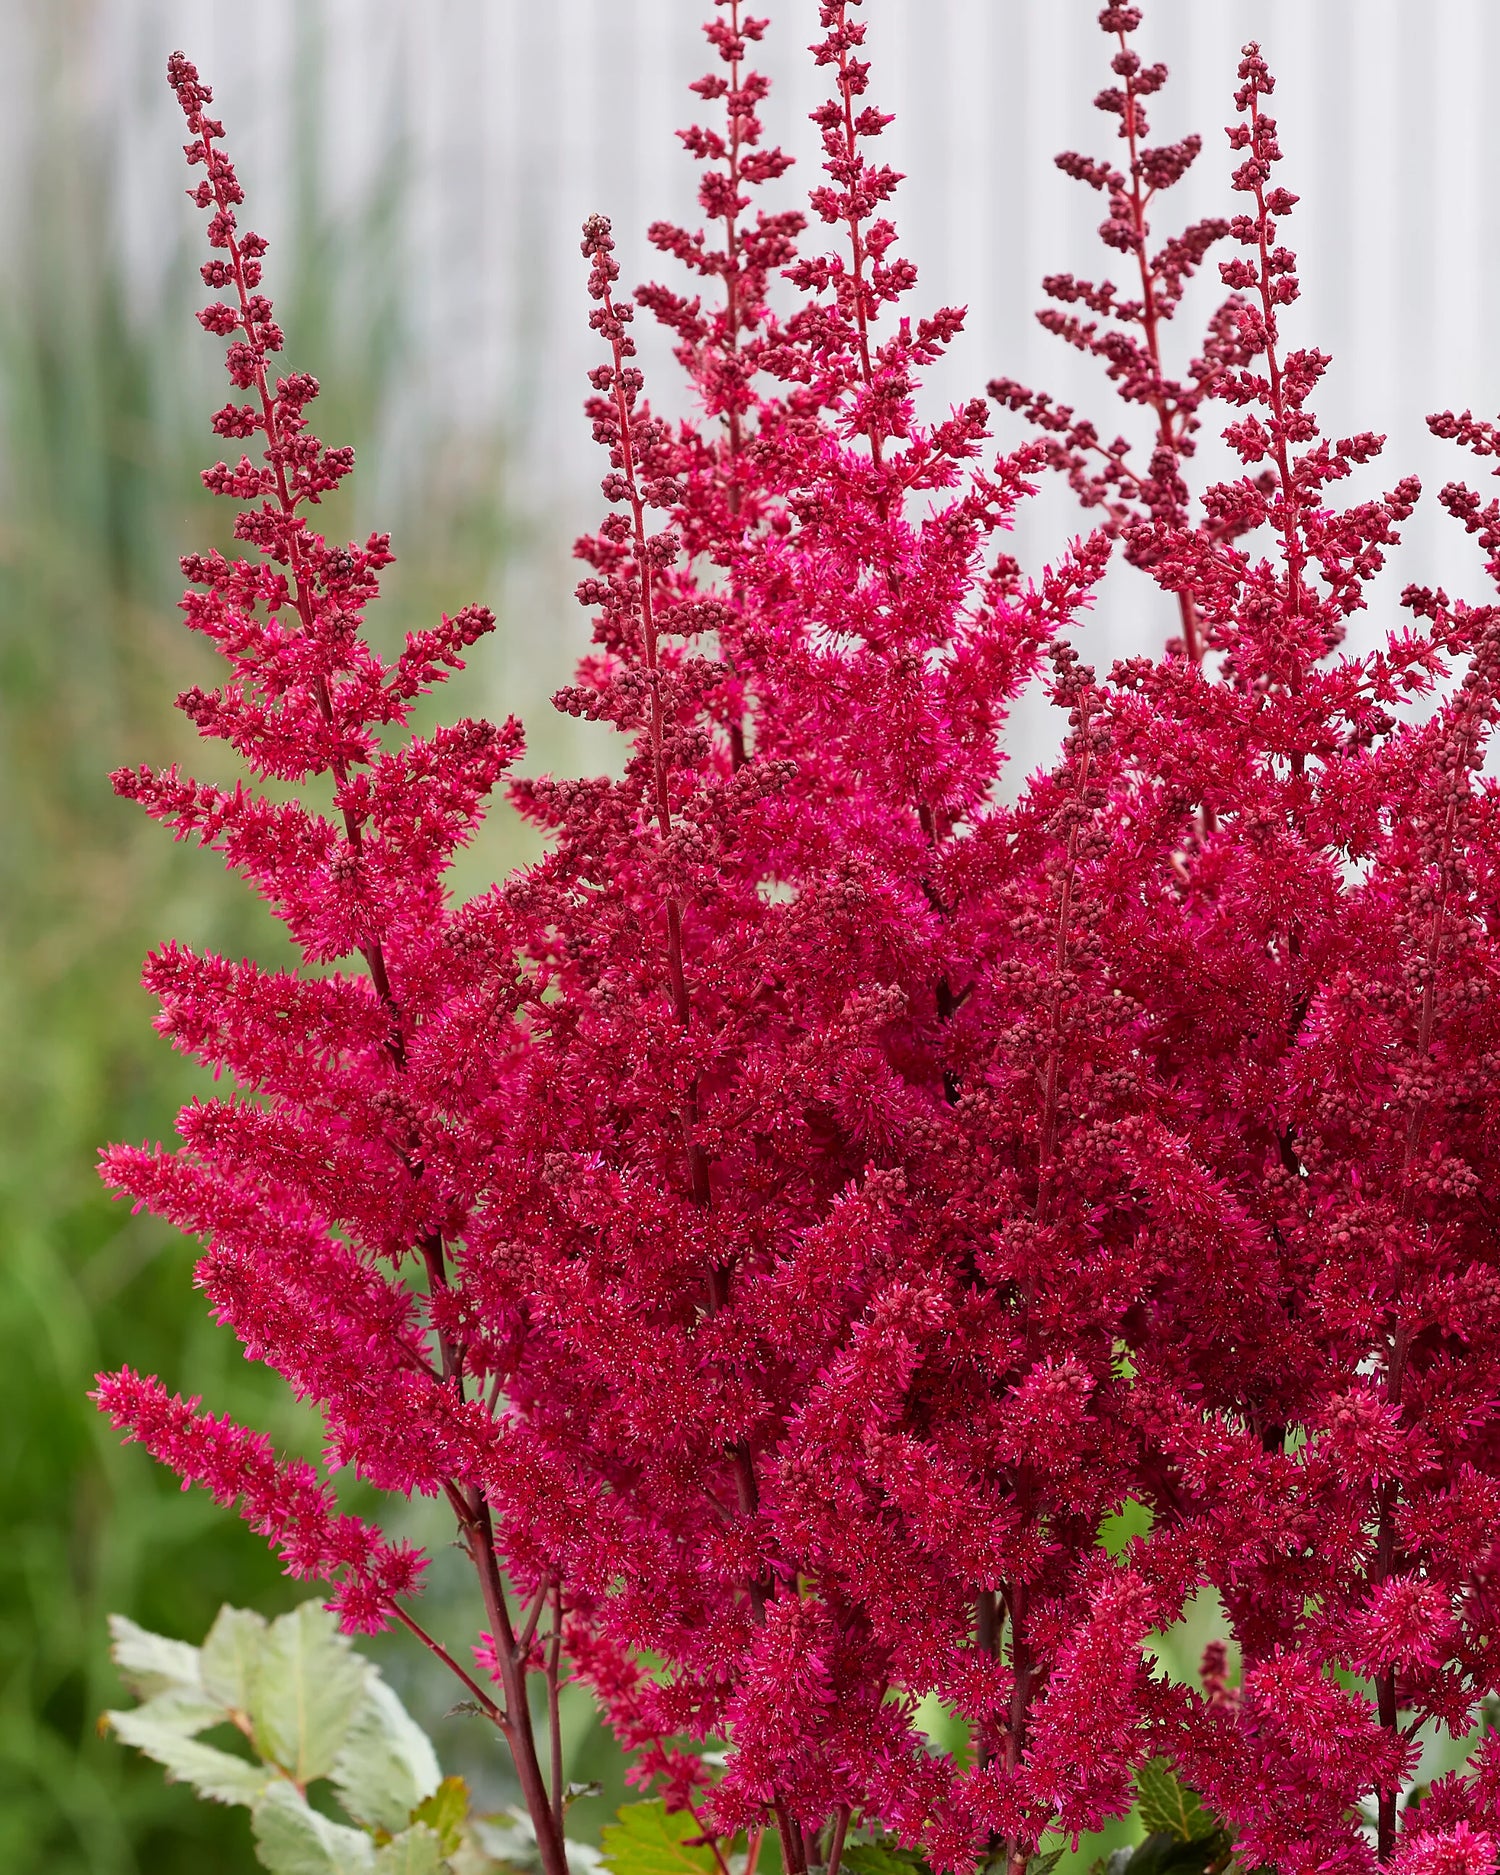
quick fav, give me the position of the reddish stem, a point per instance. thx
(840, 1830)
(711, 1841)
(1022, 1678)
(1167, 433)
(479, 1534)
(732, 253)
(856, 236)
(1400, 1349)
(554, 1708)
(1290, 509)
(499, 1719)
(302, 595)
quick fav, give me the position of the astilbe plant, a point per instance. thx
(789, 1220)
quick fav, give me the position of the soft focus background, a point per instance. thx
(421, 171)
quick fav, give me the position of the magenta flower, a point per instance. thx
(790, 1220)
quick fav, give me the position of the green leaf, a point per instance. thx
(645, 1840)
(150, 1663)
(306, 1695)
(185, 1711)
(1163, 1854)
(231, 1655)
(416, 1851)
(385, 1766)
(1044, 1861)
(446, 1810)
(292, 1839)
(471, 1858)
(157, 1729)
(1169, 1808)
(509, 1839)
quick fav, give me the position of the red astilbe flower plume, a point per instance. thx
(333, 1168)
(283, 1500)
(1314, 1383)
(1126, 330)
(789, 1220)
(750, 1194)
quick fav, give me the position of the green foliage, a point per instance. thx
(166, 1731)
(509, 1840)
(291, 1838)
(230, 1657)
(416, 1851)
(1182, 1837)
(647, 1839)
(445, 1811)
(305, 1689)
(151, 1664)
(1164, 1854)
(387, 1771)
(303, 1708)
(1169, 1808)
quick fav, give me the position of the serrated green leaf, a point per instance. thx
(231, 1653)
(446, 1810)
(163, 1736)
(292, 1839)
(306, 1694)
(645, 1839)
(385, 1766)
(185, 1711)
(416, 1851)
(1169, 1808)
(1044, 1861)
(150, 1663)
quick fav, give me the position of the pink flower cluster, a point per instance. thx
(789, 1220)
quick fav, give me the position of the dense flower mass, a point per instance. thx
(794, 1218)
